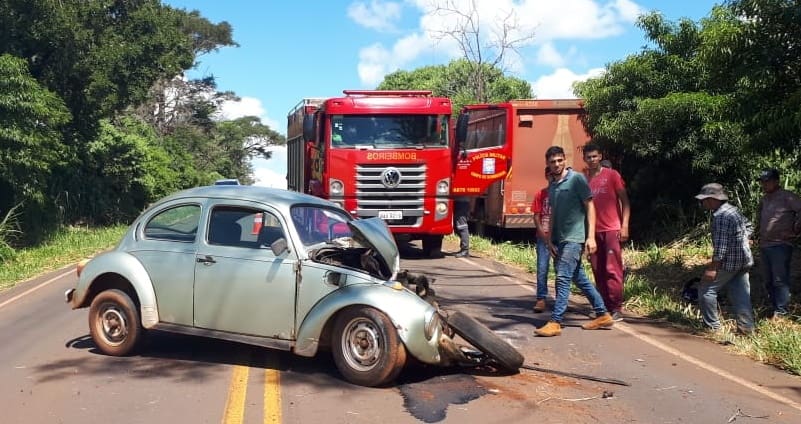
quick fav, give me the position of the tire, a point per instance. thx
(366, 347)
(432, 246)
(114, 323)
(483, 339)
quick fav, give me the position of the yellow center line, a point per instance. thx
(234, 412)
(272, 397)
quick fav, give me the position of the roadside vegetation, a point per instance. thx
(64, 247)
(653, 290)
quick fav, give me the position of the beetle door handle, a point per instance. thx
(208, 260)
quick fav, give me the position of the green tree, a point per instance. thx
(452, 80)
(31, 145)
(754, 48)
(126, 169)
(100, 56)
(664, 118)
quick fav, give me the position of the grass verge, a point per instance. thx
(65, 247)
(653, 289)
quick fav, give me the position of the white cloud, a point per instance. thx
(378, 15)
(247, 106)
(547, 55)
(559, 84)
(376, 61)
(271, 172)
(266, 172)
(628, 10)
(548, 20)
(578, 19)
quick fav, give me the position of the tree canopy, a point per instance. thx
(452, 80)
(97, 118)
(705, 101)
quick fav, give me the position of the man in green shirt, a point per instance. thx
(572, 235)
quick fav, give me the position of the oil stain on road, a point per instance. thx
(428, 400)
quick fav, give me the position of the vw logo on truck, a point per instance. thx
(391, 177)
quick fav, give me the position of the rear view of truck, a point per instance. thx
(501, 158)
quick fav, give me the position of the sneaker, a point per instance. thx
(462, 254)
(592, 315)
(617, 316)
(552, 328)
(539, 306)
(603, 321)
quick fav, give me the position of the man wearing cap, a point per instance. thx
(730, 263)
(779, 224)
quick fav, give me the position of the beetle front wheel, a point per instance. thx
(114, 323)
(367, 349)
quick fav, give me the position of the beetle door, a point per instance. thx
(240, 285)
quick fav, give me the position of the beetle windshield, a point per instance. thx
(319, 225)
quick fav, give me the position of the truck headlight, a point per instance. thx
(442, 208)
(443, 187)
(432, 323)
(335, 186)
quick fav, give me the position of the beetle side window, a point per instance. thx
(243, 227)
(175, 224)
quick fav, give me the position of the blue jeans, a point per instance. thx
(776, 266)
(738, 291)
(543, 265)
(568, 268)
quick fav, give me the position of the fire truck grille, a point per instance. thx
(393, 192)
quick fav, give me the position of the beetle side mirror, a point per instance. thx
(279, 246)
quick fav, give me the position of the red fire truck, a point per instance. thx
(378, 153)
(501, 157)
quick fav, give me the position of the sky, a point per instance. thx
(292, 50)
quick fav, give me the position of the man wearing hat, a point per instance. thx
(779, 224)
(730, 263)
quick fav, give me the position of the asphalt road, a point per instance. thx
(50, 371)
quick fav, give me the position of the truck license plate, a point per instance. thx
(390, 214)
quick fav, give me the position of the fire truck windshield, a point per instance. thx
(389, 131)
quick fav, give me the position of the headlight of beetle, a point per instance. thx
(432, 323)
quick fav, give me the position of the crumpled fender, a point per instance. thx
(127, 267)
(406, 310)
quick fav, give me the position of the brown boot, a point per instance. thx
(603, 321)
(539, 306)
(552, 328)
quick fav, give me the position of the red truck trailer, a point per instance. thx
(501, 157)
(378, 153)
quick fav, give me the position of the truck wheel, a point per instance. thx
(366, 347)
(483, 339)
(432, 246)
(114, 323)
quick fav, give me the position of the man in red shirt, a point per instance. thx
(541, 208)
(611, 228)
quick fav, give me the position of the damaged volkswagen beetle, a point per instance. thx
(278, 269)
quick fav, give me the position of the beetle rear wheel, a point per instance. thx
(366, 347)
(114, 323)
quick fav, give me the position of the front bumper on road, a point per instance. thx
(68, 295)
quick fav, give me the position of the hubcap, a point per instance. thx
(113, 325)
(362, 344)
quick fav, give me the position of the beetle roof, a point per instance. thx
(275, 196)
